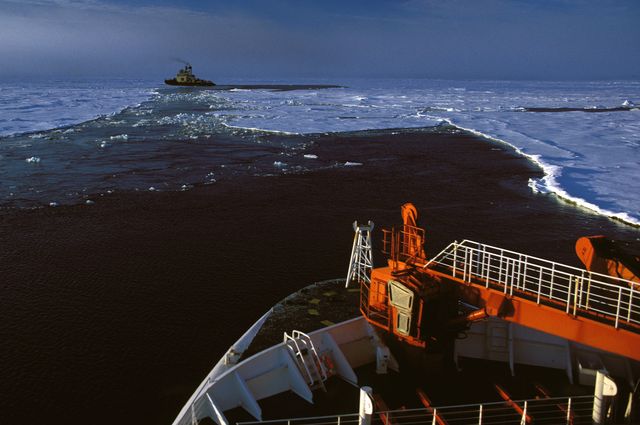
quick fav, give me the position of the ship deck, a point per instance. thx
(474, 384)
(473, 381)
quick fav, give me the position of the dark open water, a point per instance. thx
(114, 312)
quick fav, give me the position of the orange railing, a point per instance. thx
(404, 245)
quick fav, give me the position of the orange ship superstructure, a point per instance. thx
(418, 300)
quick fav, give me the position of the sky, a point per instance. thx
(270, 39)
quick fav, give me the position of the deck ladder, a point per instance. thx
(304, 353)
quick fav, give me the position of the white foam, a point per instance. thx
(549, 183)
(33, 160)
(311, 156)
(258, 129)
(352, 164)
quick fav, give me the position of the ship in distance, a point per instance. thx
(476, 334)
(185, 77)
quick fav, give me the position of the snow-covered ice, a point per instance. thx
(591, 158)
(42, 105)
(590, 155)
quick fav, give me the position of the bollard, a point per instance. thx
(366, 406)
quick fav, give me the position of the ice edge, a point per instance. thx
(549, 183)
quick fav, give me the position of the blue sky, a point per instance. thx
(264, 39)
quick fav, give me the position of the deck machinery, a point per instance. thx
(423, 301)
(429, 303)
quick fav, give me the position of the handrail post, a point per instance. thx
(539, 285)
(586, 303)
(553, 272)
(513, 275)
(581, 290)
(618, 307)
(479, 263)
(467, 265)
(569, 412)
(631, 291)
(455, 257)
(523, 275)
(523, 419)
(519, 283)
(480, 416)
(464, 265)
(569, 295)
(576, 299)
(487, 266)
(435, 417)
(500, 270)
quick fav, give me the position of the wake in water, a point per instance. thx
(177, 139)
(182, 137)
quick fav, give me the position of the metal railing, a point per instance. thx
(577, 291)
(559, 410)
(379, 317)
(405, 244)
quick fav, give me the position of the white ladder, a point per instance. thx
(304, 353)
(361, 261)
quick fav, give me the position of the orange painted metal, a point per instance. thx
(474, 316)
(413, 236)
(382, 407)
(552, 320)
(494, 303)
(515, 406)
(430, 316)
(378, 293)
(427, 404)
(602, 255)
(379, 279)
